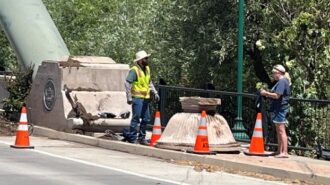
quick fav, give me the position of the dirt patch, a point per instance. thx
(213, 168)
(7, 128)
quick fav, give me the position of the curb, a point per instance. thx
(175, 155)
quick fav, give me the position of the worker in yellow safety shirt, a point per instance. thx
(138, 85)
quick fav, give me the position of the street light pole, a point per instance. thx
(239, 130)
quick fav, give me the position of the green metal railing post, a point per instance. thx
(239, 131)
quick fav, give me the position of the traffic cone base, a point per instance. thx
(22, 147)
(22, 133)
(265, 154)
(205, 153)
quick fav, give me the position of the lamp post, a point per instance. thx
(238, 129)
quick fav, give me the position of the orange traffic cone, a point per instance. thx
(202, 140)
(156, 130)
(257, 141)
(22, 133)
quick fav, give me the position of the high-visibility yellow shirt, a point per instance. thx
(140, 87)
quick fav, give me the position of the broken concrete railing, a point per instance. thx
(198, 104)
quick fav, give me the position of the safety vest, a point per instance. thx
(140, 88)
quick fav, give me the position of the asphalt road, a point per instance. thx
(27, 167)
(56, 162)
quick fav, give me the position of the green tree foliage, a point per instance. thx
(296, 34)
(104, 28)
(181, 35)
(8, 59)
(19, 88)
(194, 42)
(200, 40)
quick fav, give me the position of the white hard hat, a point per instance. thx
(141, 55)
(279, 68)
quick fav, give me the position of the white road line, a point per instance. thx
(102, 166)
(3, 142)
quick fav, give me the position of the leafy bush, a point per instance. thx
(19, 88)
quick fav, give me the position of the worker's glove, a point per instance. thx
(157, 98)
(129, 100)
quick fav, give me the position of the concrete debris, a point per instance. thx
(70, 63)
(78, 110)
(181, 130)
(109, 134)
(197, 104)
